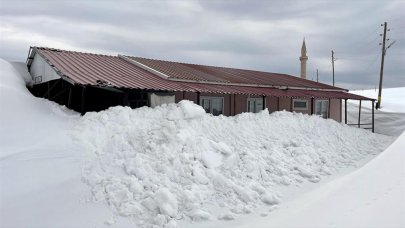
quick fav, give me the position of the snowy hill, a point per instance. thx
(170, 166)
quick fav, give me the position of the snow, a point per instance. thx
(373, 196)
(392, 99)
(173, 165)
(390, 119)
(188, 164)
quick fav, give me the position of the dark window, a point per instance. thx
(300, 104)
(214, 105)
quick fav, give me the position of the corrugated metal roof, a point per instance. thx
(193, 72)
(87, 69)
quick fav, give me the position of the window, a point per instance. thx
(214, 105)
(254, 104)
(321, 108)
(300, 104)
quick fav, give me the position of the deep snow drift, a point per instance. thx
(177, 162)
(157, 166)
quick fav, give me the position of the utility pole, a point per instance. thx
(383, 51)
(333, 68)
(317, 75)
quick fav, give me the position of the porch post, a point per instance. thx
(358, 122)
(372, 114)
(346, 111)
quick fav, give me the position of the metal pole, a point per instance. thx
(345, 111)
(359, 114)
(333, 69)
(372, 114)
(382, 67)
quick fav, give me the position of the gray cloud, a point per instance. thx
(259, 35)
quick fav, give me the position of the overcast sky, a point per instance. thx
(259, 35)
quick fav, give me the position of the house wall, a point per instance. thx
(272, 104)
(237, 103)
(41, 71)
(335, 109)
(285, 104)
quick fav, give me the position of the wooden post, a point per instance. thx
(372, 114)
(83, 101)
(345, 111)
(358, 122)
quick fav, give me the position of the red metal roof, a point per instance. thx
(193, 72)
(87, 69)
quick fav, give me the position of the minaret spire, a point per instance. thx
(303, 60)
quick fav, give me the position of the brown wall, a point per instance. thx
(272, 104)
(237, 103)
(335, 109)
(284, 104)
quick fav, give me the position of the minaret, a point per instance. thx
(303, 60)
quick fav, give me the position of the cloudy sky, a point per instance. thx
(260, 35)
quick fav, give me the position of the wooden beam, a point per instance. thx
(58, 94)
(48, 92)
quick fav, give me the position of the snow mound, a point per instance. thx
(175, 162)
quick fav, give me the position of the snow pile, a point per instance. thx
(177, 162)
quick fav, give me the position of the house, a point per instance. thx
(93, 82)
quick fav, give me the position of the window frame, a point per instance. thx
(299, 108)
(210, 103)
(327, 108)
(254, 99)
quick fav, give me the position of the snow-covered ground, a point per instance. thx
(392, 98)
(389, 120)
(177, 166)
